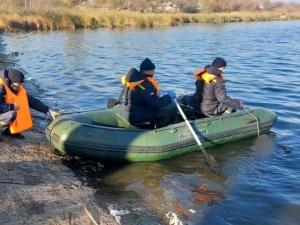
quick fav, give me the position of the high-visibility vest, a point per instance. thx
(23, 119)
(202, 74)
(133, 85)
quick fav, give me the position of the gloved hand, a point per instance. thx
(241, 104)
(172, 94)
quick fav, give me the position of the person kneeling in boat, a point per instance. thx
(15, 115)
(211, 97)
(146, 109)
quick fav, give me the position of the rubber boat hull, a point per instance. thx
(104, 134)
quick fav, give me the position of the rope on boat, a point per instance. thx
(45, 121)
(257, 121)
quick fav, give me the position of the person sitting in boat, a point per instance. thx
(146, 109)
(15, 115)
(211, 98)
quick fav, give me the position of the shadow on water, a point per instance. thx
(145, 193)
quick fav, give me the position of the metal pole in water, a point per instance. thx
(208, 159)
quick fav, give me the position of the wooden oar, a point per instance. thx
(112, 102)
(209, 159)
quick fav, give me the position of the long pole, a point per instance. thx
(208, 159)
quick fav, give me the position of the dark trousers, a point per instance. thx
(166, 115)
(221, 109)
(7, 118)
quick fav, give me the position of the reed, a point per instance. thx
(84, 17)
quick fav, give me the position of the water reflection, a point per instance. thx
(183, 185)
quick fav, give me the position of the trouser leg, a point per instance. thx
(166, 115)
(221, 109)
(7, 118)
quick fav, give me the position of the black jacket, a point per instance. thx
(143, 104)
(213, 95)
(33, 102)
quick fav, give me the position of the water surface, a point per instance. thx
(259, 183)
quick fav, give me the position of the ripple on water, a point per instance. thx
(258, 185)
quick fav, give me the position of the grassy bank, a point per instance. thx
(82, 17)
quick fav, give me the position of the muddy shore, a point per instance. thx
(37, 188)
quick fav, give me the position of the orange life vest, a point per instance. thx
(23, 120)
(202, 74)
(153, 81)
(198, 73)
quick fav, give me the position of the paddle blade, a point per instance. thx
(112, 102)
(212, 163)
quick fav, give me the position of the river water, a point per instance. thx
(260, 178)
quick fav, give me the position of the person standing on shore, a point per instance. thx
(211, 96)
(15, 116)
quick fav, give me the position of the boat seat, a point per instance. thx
(122, 121)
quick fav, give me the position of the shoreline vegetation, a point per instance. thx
(14, 20)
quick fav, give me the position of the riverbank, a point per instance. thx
(37, 188)
(83, 17)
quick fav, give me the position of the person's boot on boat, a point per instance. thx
(211, 96)
(15, 104)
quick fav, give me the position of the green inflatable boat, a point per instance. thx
(106, 134)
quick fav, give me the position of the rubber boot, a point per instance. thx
(6, 132)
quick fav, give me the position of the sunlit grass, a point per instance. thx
(84, 17)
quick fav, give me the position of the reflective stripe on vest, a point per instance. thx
(153, 81)
(23, 120)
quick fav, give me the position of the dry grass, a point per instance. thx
(84, 17)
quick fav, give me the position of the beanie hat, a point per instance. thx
(16, 76)
(147, 65)
(219, 62)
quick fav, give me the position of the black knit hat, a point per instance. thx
(147, 65)
(16, 76)
(219, 62)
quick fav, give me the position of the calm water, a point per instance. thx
(260, 178)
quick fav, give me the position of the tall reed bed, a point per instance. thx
(83, 17)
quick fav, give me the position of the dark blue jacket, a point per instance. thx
(143, 104)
